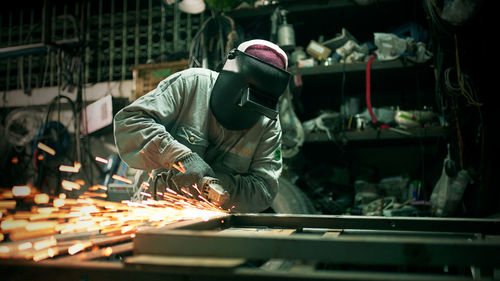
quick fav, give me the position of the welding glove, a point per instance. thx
(189, 170)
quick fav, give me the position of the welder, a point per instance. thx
(199, 123)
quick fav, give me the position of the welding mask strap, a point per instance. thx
(247, 102)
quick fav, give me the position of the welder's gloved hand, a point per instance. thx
(194, 169)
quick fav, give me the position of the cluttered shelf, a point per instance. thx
(378, 134)
(295, 6)
(349, 67)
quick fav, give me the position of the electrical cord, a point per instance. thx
(434, 14)
(452, 82)
(460, 81)
(203, 52)
(44, 133)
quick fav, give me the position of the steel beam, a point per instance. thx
(400, 241)
(359, 250)
(384, 256)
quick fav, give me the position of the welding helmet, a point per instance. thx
(249, 85)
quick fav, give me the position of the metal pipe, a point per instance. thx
(46, 25)
(150, 30)
(31, 49)
(111, 41)
(99, 41)
(462, 225)
(124, 40)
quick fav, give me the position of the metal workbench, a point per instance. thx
(287, 247)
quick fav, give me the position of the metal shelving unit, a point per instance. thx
(380, 134)
(322, 71)
(351, 67)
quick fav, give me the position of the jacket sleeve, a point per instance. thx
(255, 191)
(141, 129)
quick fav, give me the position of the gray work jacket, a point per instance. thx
(175, 118)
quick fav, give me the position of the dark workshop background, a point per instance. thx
(60, 58)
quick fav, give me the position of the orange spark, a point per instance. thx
(40, 157)
(107, 218)
(187, 192)
(122, 179)
(6, 194)
(97, 187)
(127, 229)
(195, 186)
(41, 198)
(204, 199)
(21, 190)
(59, 202)
(4, 249)
(80, 182)
(170, 190)
(179, 167)
(146, 194)
(7, 225)
(70, 169)
(75, 248)
(46, 148)
(46, 210)
(103, 187)
(24, 246)
(39, 245)
(14, 160)
(69, 185)
(45, 254)
(100, 159)
(95, 194)
(40, 225)
(145, 185)
(107, 252)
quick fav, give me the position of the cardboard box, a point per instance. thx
(317, 50)
(147, 76)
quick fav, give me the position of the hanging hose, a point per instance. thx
(368, 89)
(213, 44)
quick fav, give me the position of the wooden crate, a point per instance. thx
(147, 76)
